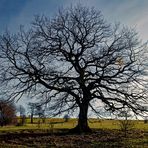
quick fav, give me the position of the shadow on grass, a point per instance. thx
(63, 138)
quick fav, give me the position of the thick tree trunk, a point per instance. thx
(82, 126)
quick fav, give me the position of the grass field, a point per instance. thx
(58, 123)
(54, 133)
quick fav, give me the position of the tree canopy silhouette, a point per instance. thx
(72, 61)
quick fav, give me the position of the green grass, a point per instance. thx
(58, 123)
(107, 134)
(114, 124)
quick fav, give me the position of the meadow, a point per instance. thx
(54, 133)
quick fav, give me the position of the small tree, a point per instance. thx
(66, 118)
(125, 123)
(21, 110)
(40, 112)
(22, 113)
(7, 113)
(32, 108)
(146, 120)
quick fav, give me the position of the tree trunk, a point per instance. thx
(82, 126)
(31, 118)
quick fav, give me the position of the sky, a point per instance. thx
(133, 13)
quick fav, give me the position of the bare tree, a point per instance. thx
(7, 113)
(66, 118)
(72, 61)
(126, 123)
(22, 113)
(21, 110)
(40, 112)
(32, 108)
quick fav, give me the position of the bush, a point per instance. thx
(126, 125)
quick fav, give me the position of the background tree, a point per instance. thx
(40, 112)
(7, 113)
(21, 110)
(74, 60)
(22, 113)
(66, 118)
(31, 107)
(125, 123)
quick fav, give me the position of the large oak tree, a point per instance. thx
(73, 60)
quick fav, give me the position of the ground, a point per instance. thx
(106, 133)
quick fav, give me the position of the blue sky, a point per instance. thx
(133, 13)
